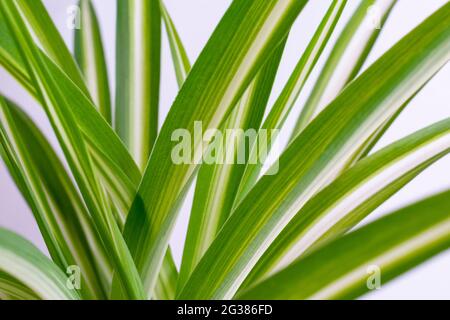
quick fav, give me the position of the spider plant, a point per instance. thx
(109, 207)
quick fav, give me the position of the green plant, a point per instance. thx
(250, 235)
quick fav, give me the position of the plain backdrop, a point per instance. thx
(195, 20)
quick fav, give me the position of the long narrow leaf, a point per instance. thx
(59, 211)
(345, 62)
(285, 102)
(167, 283)
(318, 154)
(91, 58)
(50, 39)
(384, 248)
(346, 59)
(138, 75)
(66, 129)
(355, 194)
(20, 260)
(179, 57)
(217, 183)
(111, 159)
(248, 33)
(117, 169)
(165, 288)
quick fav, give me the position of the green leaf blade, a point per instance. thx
(138, 75)
(346, 59)
(67, 131)
(341, 269)
(49, 191)
(51, 40)
(110, 157)
(217, 183)
(181, 61)
(248, 33)
(13, 289)
(90, 57)
(318, 155)
(20, 260)
(352, 196)
(289, 95)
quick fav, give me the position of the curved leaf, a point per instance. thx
(346, 58)
(20, 260)
(385, 248)
(318, 154)
(52, 43)
(354, 195)
(110, 158)
(59, 211)
(180, 59)
(285, 102)
(66, 129)
(217, 183)
(246, 36)
(12, 289)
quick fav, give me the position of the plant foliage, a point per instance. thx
(109, 206)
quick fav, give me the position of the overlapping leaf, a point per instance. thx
(27, 270)
(179, 56)
(354, 195)
(60, 213)
(110, 157)
(347, 57)
(51, 40)
(243, 40)
(275, 221)
(347, 268)
(318, 154)
(66, 129)
(211, 207)
(286, 100)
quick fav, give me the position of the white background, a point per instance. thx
(195, 20)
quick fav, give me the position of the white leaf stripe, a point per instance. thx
(179, 56)
(346, 59)
(353, 195)
(104, 145)
(91, 58)
(210, 209)
(291, 91)
(317, 156)
(22, 261)
(49, 191)
(137, 77)
(339, 270)
(51, 41)
(386, 260)
(62, 120)
(224, 69)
